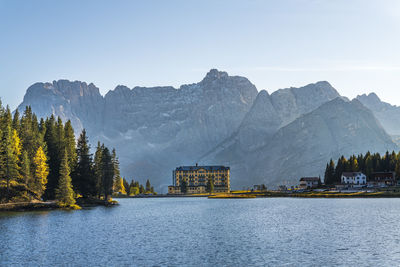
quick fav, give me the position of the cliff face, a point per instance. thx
(268, 114)
(222, 119)
(293, 102)
(388, 115)
(76, 101)
(153, 129)
(304, 146)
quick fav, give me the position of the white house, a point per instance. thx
(354, 178)
(309, 182)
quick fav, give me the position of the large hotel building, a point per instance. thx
(196, 178)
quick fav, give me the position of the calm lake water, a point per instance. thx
(208, 232)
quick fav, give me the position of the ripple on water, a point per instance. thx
(203, 232)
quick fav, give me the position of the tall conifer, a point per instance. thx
(64, 192)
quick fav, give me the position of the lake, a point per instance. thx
(207, 232)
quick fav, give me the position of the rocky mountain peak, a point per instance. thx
(370, 99)
(215, 74)
(69, 88)
(293, 102)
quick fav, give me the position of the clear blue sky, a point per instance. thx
(355, 45)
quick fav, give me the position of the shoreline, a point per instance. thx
(53, 205)
(274, 194)
(29, 206)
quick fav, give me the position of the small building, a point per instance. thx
(259, 187)
(173, 190)
(197, 177)
(383, 179)
(282, 188)
(309, 182)
(354, 179)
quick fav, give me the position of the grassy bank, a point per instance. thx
(28, 206)
(52, 205)
(312, 194)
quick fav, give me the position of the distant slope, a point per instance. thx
(222, 119)
(76, 101)
(268, 114)
(153, 129)
(303, 147)
(387, 114)
(292, 102)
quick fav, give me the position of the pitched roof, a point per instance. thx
(351, 174)
(208, 168)
(309, 179)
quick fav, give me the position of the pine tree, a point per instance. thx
(124, 185)
(83, 178)
(41, 172)
(133, 191)
(25, 168)
(354, 164)
(141, 189)
(16, 122)
(108, 173)
(64, 191)
(10, 151)
(98, 169)
(340, 168)
(330, 173)
(120, 187)
(70, 145)
(54, 159)
(133, 188)
(392, 162)
(148, 186)
(369, 167)
(117, 177)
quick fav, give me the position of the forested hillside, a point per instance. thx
(42, 160)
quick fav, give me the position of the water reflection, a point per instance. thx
(203, 232)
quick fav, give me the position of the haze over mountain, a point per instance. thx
(220, 120)
(303, 147)
(387, 114)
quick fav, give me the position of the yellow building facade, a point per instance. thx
(197, 177)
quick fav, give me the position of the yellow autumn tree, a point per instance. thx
(41, 172)
(10, 150)
(120, 188)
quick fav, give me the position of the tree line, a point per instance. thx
(367, 164)
(41, 159)
(133, 188)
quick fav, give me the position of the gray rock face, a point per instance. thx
(258, 126)
(304, 146)
(291, 103)
(268, 114)
(153, 129)
(387, 114)
(76, 101)
(264, 138)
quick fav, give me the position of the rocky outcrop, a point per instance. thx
(387, 114)
(293, 102)
(264, 138)
(268, 114)
(153, 129)
(304, 146)
(76, 101)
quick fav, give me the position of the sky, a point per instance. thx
(353, 44)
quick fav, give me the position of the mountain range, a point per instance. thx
(265, 138)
